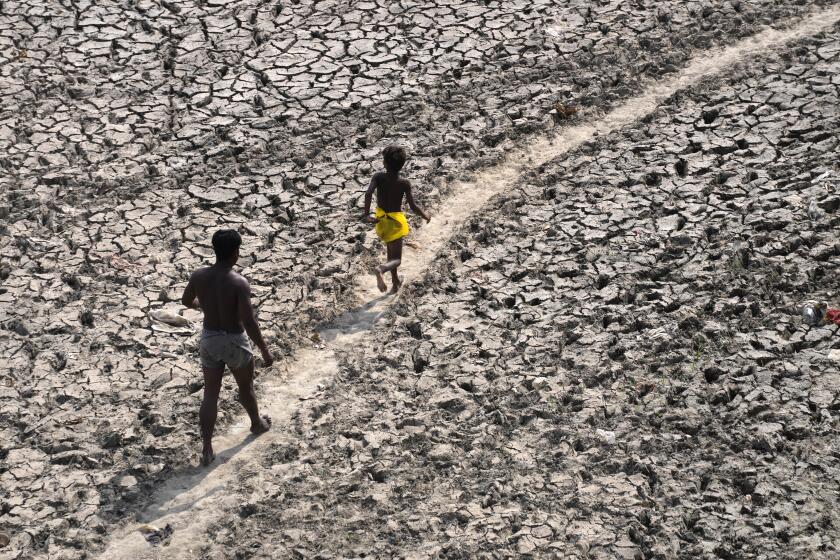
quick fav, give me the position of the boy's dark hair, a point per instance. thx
(225, 243)
(394, 157)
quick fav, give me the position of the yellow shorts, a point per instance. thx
(390, 226)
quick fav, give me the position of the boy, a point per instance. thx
(391, 225)
(225, 298)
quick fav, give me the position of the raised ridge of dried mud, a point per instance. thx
(119, 159)
(644, 288)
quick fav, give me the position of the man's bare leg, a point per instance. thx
(244, 377)
(208, 411)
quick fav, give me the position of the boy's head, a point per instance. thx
(226, 243)
(394, 157)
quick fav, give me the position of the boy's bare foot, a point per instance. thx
(207, 457)
(395, 288)
(380, 281)
(262, 427)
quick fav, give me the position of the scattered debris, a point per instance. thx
(813, 313)
(565, 111)
(156, 536)
(816, 314)
(167, 321)
(607, 436)
(170, 318)
(815, 213)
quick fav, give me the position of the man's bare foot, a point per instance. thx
(207, 457)
(395, 288)
(262, 427)
(380, 281)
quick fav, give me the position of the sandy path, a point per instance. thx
(193, 501)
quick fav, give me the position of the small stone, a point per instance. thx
(128, 481)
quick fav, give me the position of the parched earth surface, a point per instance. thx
(130, 131)
(608, 364)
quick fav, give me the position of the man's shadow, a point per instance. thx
(186, 478)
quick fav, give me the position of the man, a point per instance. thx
(225, 298)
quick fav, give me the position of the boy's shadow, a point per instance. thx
(355, 320)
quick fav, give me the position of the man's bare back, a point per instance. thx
(219, 291)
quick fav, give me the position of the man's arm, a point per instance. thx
(409, 197)
(246, 315)
(189, 297)
(368, 198)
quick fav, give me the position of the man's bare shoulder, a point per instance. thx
(200, 274)
(238, 281)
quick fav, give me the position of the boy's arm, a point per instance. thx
(409, 197)
(189, 297)
(246, 315)
(369, 197)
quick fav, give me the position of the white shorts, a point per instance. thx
(221, 348)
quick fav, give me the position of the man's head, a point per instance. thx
(394, 157)
(226, 244)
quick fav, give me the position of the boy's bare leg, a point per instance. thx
(394, 260)
(244, 377)
(208, 411)
(395, 282)
(380, 281)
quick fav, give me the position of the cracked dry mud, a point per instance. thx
(645, 285)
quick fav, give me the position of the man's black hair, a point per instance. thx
(394, 157)
(225, 243)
